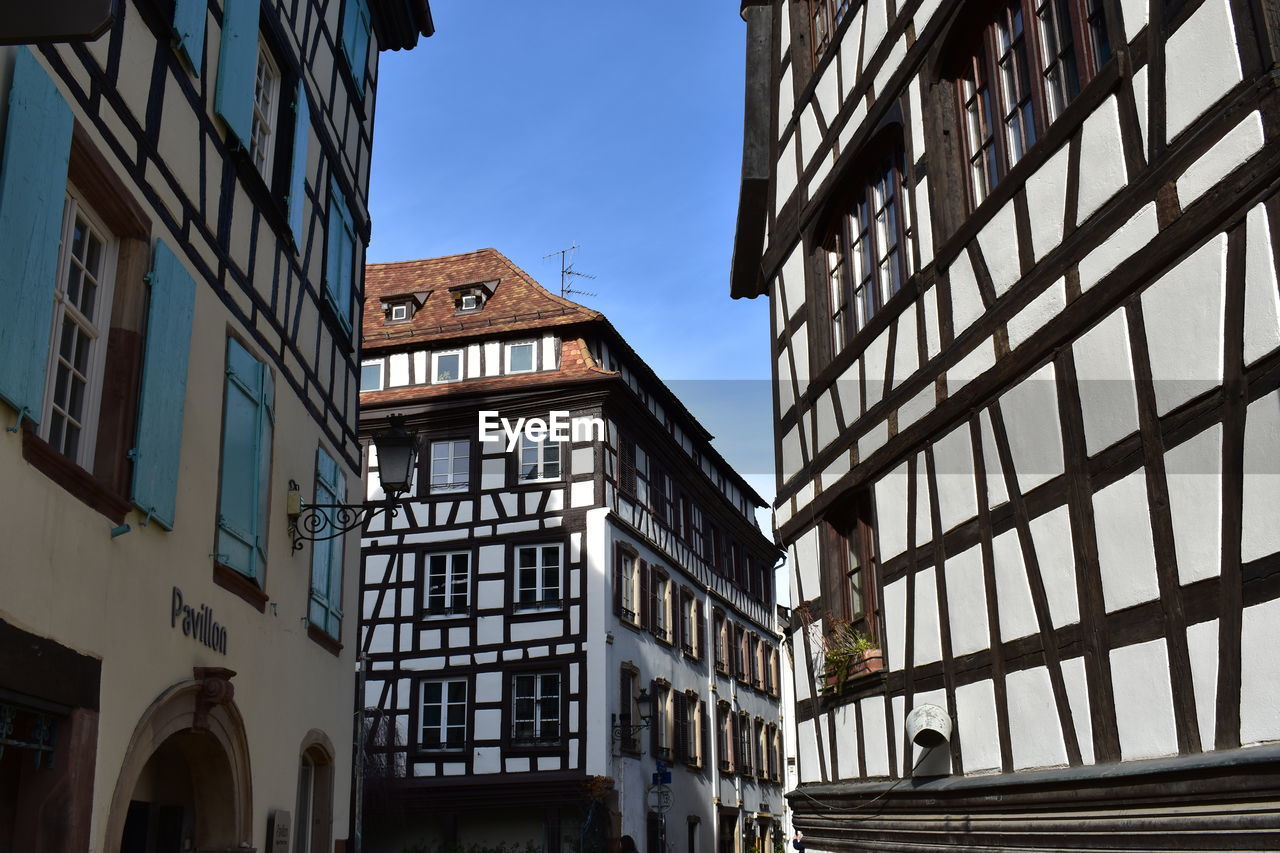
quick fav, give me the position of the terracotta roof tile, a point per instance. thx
(518, 303)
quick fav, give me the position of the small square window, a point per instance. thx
(447, 366)
(520, 357)
(400, 312)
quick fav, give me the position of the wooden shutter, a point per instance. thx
(33, 184)
(658, 719)
(158, 449)
(700, 641)
(681, 702)
(617, 580)
(356, 31)
(627, 465)
(677, 618)
(326, 555)
(238, 68)
(340, 254)
(298, 166)
(246, 442)
(188, 29)
(646, 601)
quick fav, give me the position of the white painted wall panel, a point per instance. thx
(810, 136)
(1104, 370)
(1047, 305)
(928, 637)
(1193, 471)
(1201, 64)
(492, 358)
(850, 70)
(1237, 146)
(786, 96)
(933, 337)
(398, 369)
(953, 462)
(997, 491)
(976, 725)
(1261, 298)
(1055, 554)
(1260, 673)
(966, 300)
(807, 752)
(999, 242)
(1135, 15)
(1123, 242)
(1013, 591)
(875, 363)
(895, 623)
(978, 361)
(1035, 733)
(487, 759)
(1202, 647)
(1126, 555)
(785, 174)
(906, 357)
(1144, 700)
(1102, 149)
(891, 512)
(1077, 688)
(791, 458)
(846, 722)
(1186, 347)
(1140, 96)
(924, 503)
(1030, 411)
(1047, 202)
(967, 602)
(1260, 535)
(874, 737)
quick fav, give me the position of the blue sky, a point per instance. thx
(530, 126)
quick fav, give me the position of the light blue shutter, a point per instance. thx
(356, 34)
(266, 435)
(33, 186)
(156, 454)
(298, 168)
(239, 524)
(340, 257)
(238, 67)
(326, 555)
(188, 28)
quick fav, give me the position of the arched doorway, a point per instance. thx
(185, 781)
(313, 818)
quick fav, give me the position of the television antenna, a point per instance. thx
(567, 273)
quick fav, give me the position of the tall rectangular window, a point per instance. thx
(662, 720)
(448, 579)
(688, 623)
(720, 629)
(724, 736)
(248, 423)
(536, 708)
(538, 576)
(266, 109)
(81, 318)
(443, 714)
(627, 713)
(325, 610)
(743, 748)
(628, 581)
(539, 460)
(662, 607)
(848, 577)
(450, 466)
(340, 261)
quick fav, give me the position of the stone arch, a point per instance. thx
(198, 723)
(314, 808)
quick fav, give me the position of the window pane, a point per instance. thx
(448, 367)
(521, 357)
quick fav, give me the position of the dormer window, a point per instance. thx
(401, 307)
(468, 298)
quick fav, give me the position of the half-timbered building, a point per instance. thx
(182, 221)
(1020, 257)
(537, 596)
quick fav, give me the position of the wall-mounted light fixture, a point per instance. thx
(397, 452)
(623, 731)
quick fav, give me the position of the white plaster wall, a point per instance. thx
(1202, 649)
(1144, 700)
(927, 647)
(976, 724)
(1186, 347)
(1046, 190)
(1076, 686)
(1124, 242)
(891, 512)
(999, 242)
(1030, 411)
(1104, 371)
(1126, 556)
(1260, 534)
(1201, 64)
(1260, 673)
(1040, 310)
(1055, 554)
(953, 461)
(1193, 471)
(1101, 148)
(1034, 730)
(1261, 298)
(1237, 146)
(967, 602)
(1017, 612)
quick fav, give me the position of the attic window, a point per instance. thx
(471, 297)
(399, 312)
(470, 301)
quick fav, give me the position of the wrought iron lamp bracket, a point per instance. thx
(321, 522)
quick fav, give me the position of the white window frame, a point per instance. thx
(94, 328)
(456, 577)
(266, 110)
(445, 703)
(381, 364)
(662, 614)
(665, 719)
(542, 461)
(543, 599)
(476, 298)
(435, 366)
(538, 718)
(533, 356)
(400, 311)
(452, 487)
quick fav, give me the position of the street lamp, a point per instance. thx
(628, 733)
(397, 451)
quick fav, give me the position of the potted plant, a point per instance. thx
(848, 652)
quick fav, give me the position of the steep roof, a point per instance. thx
(517, 304)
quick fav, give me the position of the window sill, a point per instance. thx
(237, 584)
(540, 607)
(323, 640)
(445, 615)
(70, 476)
